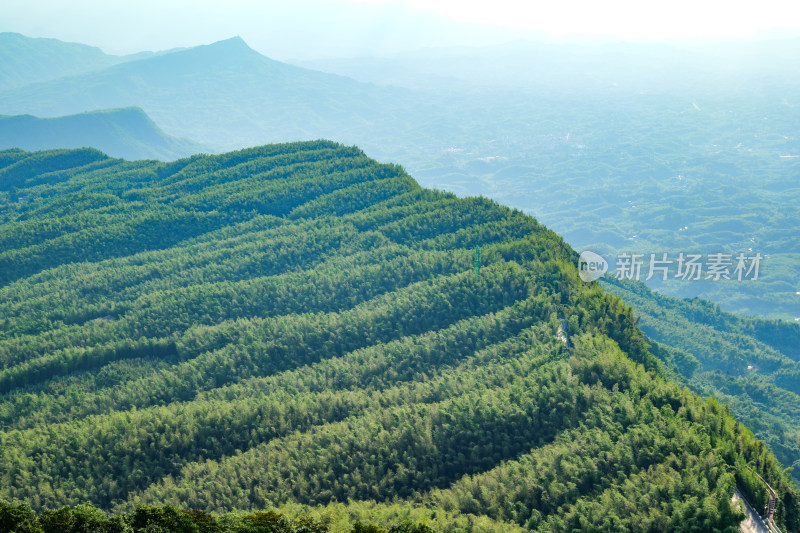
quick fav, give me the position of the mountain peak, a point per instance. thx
(233, 44)
(232, 41)
(226, 52)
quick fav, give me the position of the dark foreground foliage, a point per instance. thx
(19, 518)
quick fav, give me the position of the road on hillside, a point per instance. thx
(753, 523)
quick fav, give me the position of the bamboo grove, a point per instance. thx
(299, 330)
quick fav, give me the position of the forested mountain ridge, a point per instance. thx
(299, 325)
(751, 364)
(564, 132)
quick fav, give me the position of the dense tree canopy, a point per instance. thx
(298, 330)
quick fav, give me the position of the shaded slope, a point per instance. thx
(128, 133)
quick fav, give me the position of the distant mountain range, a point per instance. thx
(224, 94)
(618, 147)
(670, 164)
(28, 60)
(128, 133)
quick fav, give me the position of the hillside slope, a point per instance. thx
(749, 363)
(225, 95)
(127, 133)
(28, 60)
(298, 324)
(622, 148)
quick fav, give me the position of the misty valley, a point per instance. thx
(383, 293)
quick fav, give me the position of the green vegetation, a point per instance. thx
(298, 328)
(750, 364)
(19, 518)
(616, 171)
(619, 148)
(623, 147)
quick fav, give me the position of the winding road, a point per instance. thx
(753, 522)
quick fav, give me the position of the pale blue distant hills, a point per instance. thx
(224, 94)
(28, 60)
(127, 133)
(619, 147)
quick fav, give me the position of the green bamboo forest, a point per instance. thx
(297, 338)
(750, 364)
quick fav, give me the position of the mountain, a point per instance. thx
(127, 133)
(224, 95)
(299, 328)
(624, 148)
(748, 363)
(620, 148)
(26, 60)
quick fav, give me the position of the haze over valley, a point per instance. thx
(362, 266)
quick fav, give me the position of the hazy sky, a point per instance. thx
(309, 29)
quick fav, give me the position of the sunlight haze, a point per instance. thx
(314, 29)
